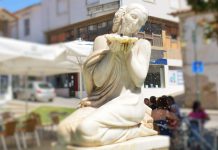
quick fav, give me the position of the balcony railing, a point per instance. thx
(157, 40)
(103, 7)
(163, 42)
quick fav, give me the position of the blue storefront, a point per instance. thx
(156, 74)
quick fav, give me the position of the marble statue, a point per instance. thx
(114, 74)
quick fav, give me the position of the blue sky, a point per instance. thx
(14, 5)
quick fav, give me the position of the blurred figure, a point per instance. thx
(162, 115)
(173, 106)
(197, 119)
(153, 102)
(198, 112)
(147, 102)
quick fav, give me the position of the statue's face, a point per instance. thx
(131, 22)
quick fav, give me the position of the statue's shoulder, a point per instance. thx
(100, 38)
(100, 43)
(144, 42)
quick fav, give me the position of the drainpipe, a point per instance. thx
(194, 40)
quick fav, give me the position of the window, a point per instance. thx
(92, 28)
(155, 77)
(91, 2)
(156, 28)
(62, 6)
(27, 27)
(110, 23)
(102, 25)
(147, 28)
(82, 33)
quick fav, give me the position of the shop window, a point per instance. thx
(61, 37)
(155, 77)
(92, 28)
(61, 81)
(82, 33)
(109, 25)
(102, 28)
(27, 27)
(69, 36)
(102, 25)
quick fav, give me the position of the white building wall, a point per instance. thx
(78, 11)
(60, 13)
(54, 16)
(36, 25)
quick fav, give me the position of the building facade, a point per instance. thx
(29, 25)
(66, 20)
(200, 60)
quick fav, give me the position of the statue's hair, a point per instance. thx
(123, 10)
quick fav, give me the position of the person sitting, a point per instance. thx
(146, 101)
(153, 103)
(162, 115)
(173, 106)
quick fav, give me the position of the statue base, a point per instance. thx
(155, 142)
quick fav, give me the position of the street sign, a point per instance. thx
(160, 61)
(197, 67)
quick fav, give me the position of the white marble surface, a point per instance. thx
(142, 143)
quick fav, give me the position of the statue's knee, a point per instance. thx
(63, 132)
(87, 127)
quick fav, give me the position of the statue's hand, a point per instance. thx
(119, 43)
(114, 46)
(84, 103)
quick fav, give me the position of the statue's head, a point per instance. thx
(129, 19)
